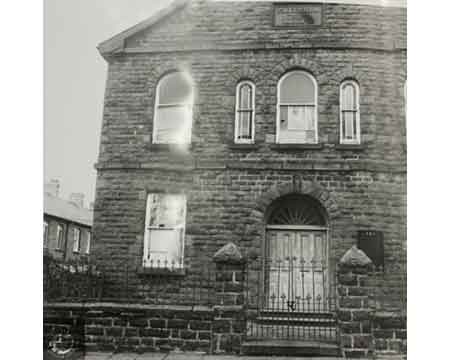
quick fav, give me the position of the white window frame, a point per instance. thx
(59, 235)
(45, 234)
(146, 253)
(238, 110)
(342, 140)
(76, 240)
(189, 105)
(88, 243)
(315, 104)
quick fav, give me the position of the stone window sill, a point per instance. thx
(350, 147)
(236, 146)
(161, 271)
(170, 147)
(296, 146)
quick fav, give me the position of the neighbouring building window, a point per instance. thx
(59, 237)
(245, 113)
(88, 242)
(164, 231)
(349, 118)
(173, 109)
(76, 240)
(297, 108)
(45, 234)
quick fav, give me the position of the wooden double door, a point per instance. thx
(296, 273)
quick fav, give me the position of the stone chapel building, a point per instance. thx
(277, 127)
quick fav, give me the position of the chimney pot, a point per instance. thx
(77, 199)
(52, 187)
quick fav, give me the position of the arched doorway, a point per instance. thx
(296, 276)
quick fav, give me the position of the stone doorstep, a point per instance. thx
(188, 356)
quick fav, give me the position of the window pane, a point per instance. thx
(349, 125)
(173, 124)
(300, 118)
(245, 125)
(245, 97)
(88, 243)
(165, 246)
(349, 97)
(45, 234)
(175, 88)
(297, 88)
(167, 210)
(297, 124)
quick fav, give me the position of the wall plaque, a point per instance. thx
(297, 15)
(372, 243)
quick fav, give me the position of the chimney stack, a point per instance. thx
(77, 199)
(52, 187)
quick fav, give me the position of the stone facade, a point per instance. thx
(229, 187)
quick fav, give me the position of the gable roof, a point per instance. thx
(117, 42)
(237, 25)
(67, 210)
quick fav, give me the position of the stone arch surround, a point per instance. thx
(297, 186)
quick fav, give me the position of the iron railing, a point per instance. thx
(291, 299)
(127, 282)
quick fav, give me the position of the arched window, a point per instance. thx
(173, 109)
(349, 113)
(297, 108)
(244, 129)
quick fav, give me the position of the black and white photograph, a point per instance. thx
(224, 180)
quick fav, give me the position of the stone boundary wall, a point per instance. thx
(145, 328)
(364, 330)
(389, 332)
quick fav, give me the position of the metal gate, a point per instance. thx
(290, 291)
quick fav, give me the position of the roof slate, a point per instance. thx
(65, 209)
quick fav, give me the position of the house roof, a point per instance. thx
(67, 210)
(117, 41)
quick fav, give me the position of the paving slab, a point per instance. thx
(186, 356)
(151, 356)
(97, 356)
(124, 356)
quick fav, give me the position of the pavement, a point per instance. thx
(188, 356)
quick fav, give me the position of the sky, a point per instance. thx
(74, 81)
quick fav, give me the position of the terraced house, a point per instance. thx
(253, 164)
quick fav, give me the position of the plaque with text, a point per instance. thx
(297, 15)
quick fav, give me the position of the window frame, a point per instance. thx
(76, 240)
(315, 104)
(357, 111)
(60, 236)
(88, 243)
(157, 105)
(237, 111)
(46, 228)
(146, 264)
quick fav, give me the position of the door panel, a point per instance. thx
(296, 270)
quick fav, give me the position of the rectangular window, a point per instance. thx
(45, 234)
(76, 240)
(88, 242)
(59, 237)
(164, 231)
